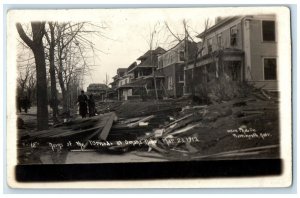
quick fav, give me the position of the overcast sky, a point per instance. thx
(128, 32)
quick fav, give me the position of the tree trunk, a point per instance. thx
(53, 86)
(37, 47)
(155, 86)
(63, 91)
(41, 87)
(52, 74)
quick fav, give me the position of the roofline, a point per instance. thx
(153, 50)
(176, 46)
(221, 23)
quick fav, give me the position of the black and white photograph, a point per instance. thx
(150, 93)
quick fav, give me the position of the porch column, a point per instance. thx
(184, 82)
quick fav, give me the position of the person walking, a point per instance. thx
(82, 100)
(19, 105)
(91, 103)
(26, 104)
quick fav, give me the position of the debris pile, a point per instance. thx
(202, 132)
(178, 130)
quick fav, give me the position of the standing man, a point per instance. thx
(82, 100)
(19, 105)
(25, 104)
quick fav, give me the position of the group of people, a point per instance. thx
(86, 105)
(23, 103)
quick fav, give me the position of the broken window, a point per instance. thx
(209, 45)
(268, 28)
(270, 69)
(233, 36)
(181, 56)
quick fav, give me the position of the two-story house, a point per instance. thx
(139, 78)
(171, 65)
(118, 77)
(99, 90)
(244, 48)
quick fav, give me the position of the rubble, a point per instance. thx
(176, 130)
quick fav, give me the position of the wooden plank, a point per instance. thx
(106, 129)
(178, 125)
(265, 94)
(185, 129)
(251, 149)
(178, 120)
(151, 155)
(142, 120)
(67, 130)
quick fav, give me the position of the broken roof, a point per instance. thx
(158, 50)
(97, 86)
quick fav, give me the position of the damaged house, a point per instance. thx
(99, 90)
(243, 48)
(140, 79)
(171, 66)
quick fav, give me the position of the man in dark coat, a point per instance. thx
(82, 100)
(91, 103)
(25, 103)
(19, 105)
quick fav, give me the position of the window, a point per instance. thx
(160, 63)
(219, 40)
(181, 56)
(180, 77)
(170, 83)
(268, 30)
(270, 69)
(233, 36)
(209, 45)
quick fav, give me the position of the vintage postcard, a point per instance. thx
(119, 98)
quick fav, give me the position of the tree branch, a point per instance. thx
(23, 35)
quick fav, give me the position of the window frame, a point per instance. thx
(263, 67)
(219, 40)
(170, 83)
(209, 45)
(230, 36)
(262, 31)
(181, 51)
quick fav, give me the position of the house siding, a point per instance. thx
(250, 42)
(259, 50)
(174, 72)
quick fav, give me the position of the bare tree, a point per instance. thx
(153, 43)
(199, 50)
(52, 42)
(37, 47)
(73, 47)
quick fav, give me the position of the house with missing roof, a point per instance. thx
(99, 90)
(242, 47)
